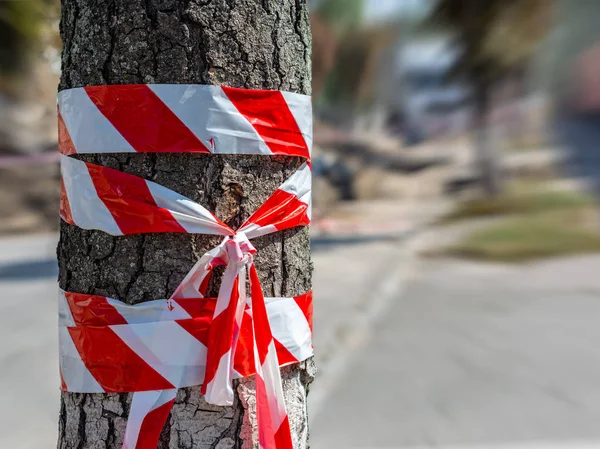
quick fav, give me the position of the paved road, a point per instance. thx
(477, 356)
(28, 338)
(28, 343)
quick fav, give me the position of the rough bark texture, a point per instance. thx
(243, 43)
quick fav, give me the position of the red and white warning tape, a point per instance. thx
(109, 346)
(183, 118)
(96, 197)
(154, 348)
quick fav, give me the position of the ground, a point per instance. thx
(478, 356)
(445, 353)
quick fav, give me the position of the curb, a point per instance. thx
(394, 281)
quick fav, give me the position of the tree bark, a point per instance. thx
(487, 158)
(259, 44)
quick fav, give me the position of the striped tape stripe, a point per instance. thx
(65, 143)
(273, 427)
(219, 359)
(86, 129)
(144, 121)
(119, 203)
(166, 344)
(213, 118)
(183, 118)
(290, 327)
(301, 108)
(143, 428)
(85, 320)
(270, 115)
(80, 197)
(167, 348)
(287, 207)
(112, 362)
(96, 197)
(74, 373)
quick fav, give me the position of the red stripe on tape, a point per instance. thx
(143, 119)
(283, 436)
(130, 202)
(220, 336)
(262, 328)
(266, 432)
(152, 426)
(65, 207)
(244, 350)
(283, 210)
(65, 144)
(269, 114)
(114, 365)
(305, 302)
(92, 310)
(284, 356)
(198, 307)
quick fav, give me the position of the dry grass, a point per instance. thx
(520, 199)
(528, 237)
(538, 224)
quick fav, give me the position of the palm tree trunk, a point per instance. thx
(487, 157)
(259, 44)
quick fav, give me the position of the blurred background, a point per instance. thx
(456, 232)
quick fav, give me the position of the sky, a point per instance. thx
(382, 9)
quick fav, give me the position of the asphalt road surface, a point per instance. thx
(476, 356)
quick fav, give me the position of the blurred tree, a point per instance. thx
(341, 15)
(345, 53)
(497, 39)
(324, 46)
(350, 84)
(330, 20)
(21, 27)
(253, 44)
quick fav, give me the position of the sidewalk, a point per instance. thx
(476, 356)
(29, 377)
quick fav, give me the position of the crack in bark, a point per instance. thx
(111, 27)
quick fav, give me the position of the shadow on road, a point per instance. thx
(34, 269)
(325, 242)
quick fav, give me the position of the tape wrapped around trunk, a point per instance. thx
(156, 347)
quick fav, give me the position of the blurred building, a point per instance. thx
(431, 101)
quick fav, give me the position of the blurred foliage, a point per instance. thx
(358, 58)
(346, 54)
(496, 35)
(323, 51)
(341, 15)
(575, 30)
(25, 27)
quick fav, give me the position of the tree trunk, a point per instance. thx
(259, 44)
(487, 158)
